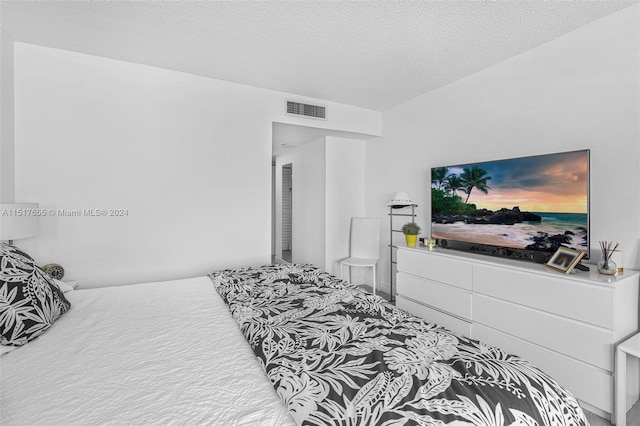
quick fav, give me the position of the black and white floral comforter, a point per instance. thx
(337, 355)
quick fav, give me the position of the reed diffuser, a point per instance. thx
(607, 266)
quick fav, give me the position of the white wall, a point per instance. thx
(6, 119)
(345, 190)
(578, 91)
(188, 157)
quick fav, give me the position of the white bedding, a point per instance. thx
(156, 353)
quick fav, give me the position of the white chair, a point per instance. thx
(364, 246)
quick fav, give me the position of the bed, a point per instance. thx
(146, 354)
(272, 345)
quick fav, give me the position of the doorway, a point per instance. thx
(287, 212)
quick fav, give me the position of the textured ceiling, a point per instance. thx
(371, 54)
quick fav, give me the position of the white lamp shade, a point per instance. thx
(401, 199)
(18, 221)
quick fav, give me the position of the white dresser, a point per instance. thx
(567, 325)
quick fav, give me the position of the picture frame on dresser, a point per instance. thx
(565, 259)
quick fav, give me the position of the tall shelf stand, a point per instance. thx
(392, 214)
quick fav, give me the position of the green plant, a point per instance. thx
(411, 228)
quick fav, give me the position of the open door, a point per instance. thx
(287, 212)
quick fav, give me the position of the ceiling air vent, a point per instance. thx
(307, 110)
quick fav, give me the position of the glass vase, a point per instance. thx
(607, 267)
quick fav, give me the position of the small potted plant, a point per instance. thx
(411, 231)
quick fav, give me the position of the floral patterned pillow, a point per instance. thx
(29, 299)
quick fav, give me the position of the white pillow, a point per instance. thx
(63, 286)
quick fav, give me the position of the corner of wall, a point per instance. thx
(7, 156)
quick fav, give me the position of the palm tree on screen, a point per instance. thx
(438, 176)
(475, 177)
(453, 183)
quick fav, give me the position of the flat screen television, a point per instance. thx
(520, 207)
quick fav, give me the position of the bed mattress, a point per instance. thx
(155, 353)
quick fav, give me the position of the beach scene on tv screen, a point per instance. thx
(536, 203)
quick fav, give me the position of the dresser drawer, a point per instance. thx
(583, 381)
(437, 268)
(440, 296)
(584, 342)
(434, 316)
(548, 293)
